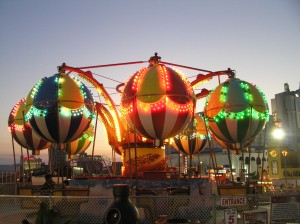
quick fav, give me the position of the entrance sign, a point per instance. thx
(230, 216)
(233, 201)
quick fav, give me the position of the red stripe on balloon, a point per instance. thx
(158, 120)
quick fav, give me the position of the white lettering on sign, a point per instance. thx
(233, 201)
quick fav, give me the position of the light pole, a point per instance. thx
(284, 153)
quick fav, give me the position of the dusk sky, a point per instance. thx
(260, 40)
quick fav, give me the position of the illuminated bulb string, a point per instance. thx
(164, 77)
(36, 88)
(166, 102)
(247, 93)
(16, 127)
(241, 115)
(136, 79)
(80, 86)
(185, 81)
(224, 91)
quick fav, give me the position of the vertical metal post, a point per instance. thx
(129, 154)
(28, 160)
(15, 164)
(93, 150)
(262, 162)
(135, 150)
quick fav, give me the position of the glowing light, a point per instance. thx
(278, 133)
(284, 152)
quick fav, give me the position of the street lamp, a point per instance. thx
(278, 133)
(284, 153)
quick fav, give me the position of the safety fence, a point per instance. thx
(90, 210)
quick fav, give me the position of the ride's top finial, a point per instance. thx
(61, 69)
(154, 59)
(231, 73)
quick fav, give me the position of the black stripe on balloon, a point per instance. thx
(34, 126)
(179, 144)
(51, 123)
(203, 144)
(243, 126)
(223, 128)
(192, 145)
(74, 125)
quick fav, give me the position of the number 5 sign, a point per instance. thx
(230, 216)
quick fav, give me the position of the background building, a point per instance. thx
(30, 162)
(286, 112)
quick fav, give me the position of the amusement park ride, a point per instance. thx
(157, 108)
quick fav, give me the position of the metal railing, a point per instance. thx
(8, 177)
(89, 210)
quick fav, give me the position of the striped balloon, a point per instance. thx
(81, 144)
(193, 138)
(59, 108)
(157, 102)
(236, 111)
(130, 140)
(22, 131)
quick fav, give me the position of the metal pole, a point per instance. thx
(179, 167)
(129, 155)
(15, 164)
(93, 150)
(262, 163)
(28, 160)
(230, 164)
(135, 150)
